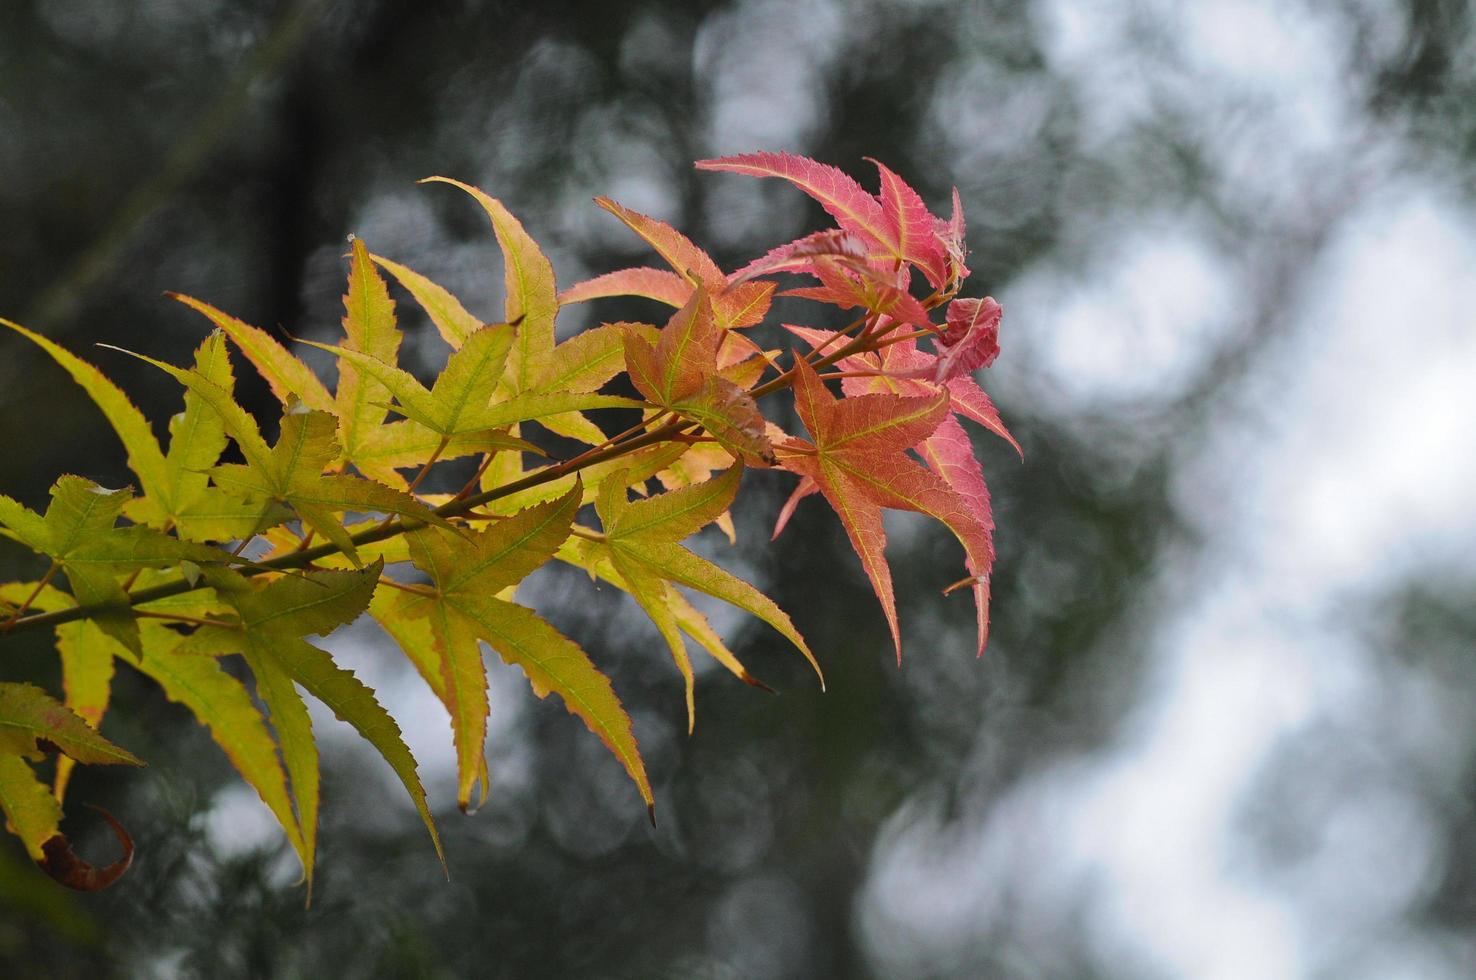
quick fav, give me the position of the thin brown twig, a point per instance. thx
(20, 610)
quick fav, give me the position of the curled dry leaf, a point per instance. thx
(63, 865)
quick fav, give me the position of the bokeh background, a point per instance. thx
(1224, 728)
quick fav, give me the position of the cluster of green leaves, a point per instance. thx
(213, 560)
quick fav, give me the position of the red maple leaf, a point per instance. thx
(897, 370)
(858, 460)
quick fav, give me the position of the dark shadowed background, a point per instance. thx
(1224, 728)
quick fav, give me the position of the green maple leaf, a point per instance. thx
(78, 534)
(30, 721)
(369, 323)
(274, 620)
(640, 552)
(460, 401)
(216, 699)
(467, 574)
(291, 472)
(174, 488)
(535, 364)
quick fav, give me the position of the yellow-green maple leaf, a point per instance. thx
(291, 472)
(640, 543)
(78, 534)
(274, 620)
(459, 402)
(467, 574)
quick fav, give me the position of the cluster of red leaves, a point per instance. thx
(892, 440)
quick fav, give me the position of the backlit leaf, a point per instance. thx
(28, 716)
(467, 574)
(144, 456)
(532, 298)
(642, 538)
(274, 618)
(857, 461)
(287, 376)
(369, 323)
(452, 320)
(837, 192)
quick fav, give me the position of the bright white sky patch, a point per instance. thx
(1137, 324)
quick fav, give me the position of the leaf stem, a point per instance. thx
(407, 587)
(195, 620)
(20, 610)
(426, 466)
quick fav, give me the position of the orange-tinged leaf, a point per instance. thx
(451, 319)
(846, 283)
(284, 373)
(897, 369)
(947, 450)
(730, 414)
(532, 298)
(684, 357)
(657, 284)
(800, 254)
(677, 249)
(949, 453)
(741, 304)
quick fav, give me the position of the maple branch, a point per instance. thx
(460, 506)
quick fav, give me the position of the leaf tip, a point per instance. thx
(753, 681)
